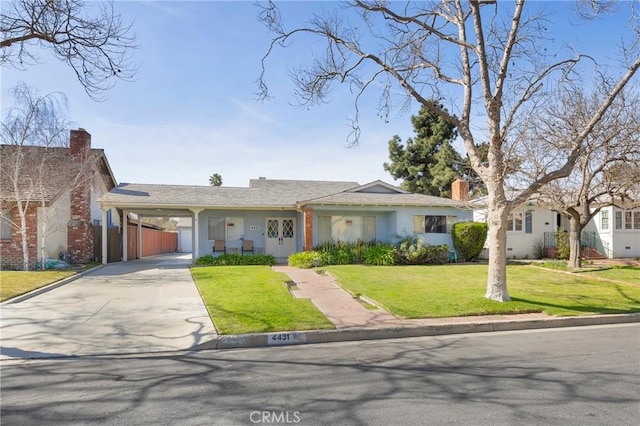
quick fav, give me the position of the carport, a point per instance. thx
(146, 204)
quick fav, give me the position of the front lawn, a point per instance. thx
(15, 283)
(254, 299)
(458, 290)
(627, 274)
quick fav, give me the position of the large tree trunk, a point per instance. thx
(575, 229)
(497, 216)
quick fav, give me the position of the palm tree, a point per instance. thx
(215, 180)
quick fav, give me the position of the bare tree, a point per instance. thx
(90, 38)
(486, 62)
(29, 133)
(608, 167)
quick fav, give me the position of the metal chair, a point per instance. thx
(219, 247)
(247, 246)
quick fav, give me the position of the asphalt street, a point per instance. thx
(568, 376)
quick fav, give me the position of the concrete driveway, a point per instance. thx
(147, 305)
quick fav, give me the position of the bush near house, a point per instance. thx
(236, 260)
(469, 239)
(410, 251)
(562, 244)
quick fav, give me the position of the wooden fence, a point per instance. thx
(114, 244)
(153, 242)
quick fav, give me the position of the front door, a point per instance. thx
(281, 236)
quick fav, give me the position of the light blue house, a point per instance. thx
(281, 217)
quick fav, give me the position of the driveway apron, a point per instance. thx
(146, 305)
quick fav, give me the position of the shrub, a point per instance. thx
(343, 253)
(469, 239)
(538, 249)
(380, 254)
(236, 260)
(306, 259)
(412, 251)
(562, 244)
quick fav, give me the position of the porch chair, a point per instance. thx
(247, 246)
(219, 247)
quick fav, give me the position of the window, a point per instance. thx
(618, 220)
(528, 222)
(418, 224)
(345, 228)
(628, 222)
(235, 228)
(604, 220)
(636, 219)
(6, 231)
(514, 222)
(435, 224)
(216, 228)
(324, 229)
(369, 228)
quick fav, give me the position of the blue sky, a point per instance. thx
(192, 109)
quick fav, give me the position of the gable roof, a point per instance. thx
(57, 174)
(378, 187)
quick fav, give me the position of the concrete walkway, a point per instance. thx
(335, 303)
(147, 305)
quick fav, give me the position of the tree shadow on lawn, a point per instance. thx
(580, 306)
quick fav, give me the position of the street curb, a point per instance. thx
(346, 335)
(49, 287)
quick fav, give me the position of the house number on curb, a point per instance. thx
(286, 338)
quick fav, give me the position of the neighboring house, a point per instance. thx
(185, 229)
(617, 232)
(613, 232)
(69, 181)
(528, 228)
(281, 217)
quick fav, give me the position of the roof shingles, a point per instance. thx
(263, 193)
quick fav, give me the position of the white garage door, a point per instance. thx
(184, 240)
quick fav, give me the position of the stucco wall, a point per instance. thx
(394, 224)
(250, 218)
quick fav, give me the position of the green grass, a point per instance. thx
(627, 274)
(458, 290)
(15, 283)
(254, 299)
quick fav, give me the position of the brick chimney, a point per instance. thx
(460, 190)
(79, 230)
(80, 145)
